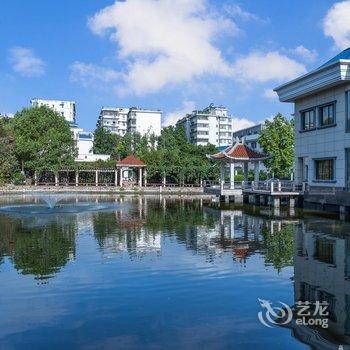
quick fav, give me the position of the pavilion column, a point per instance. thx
(56, 179)
(140, 177)
(245, 171)
(145, 177)
(35, 178)
(222, 175)
(77, 178)
(115, 178)
(232, 176)
(121, 177)
(256, 171)
(96, 178)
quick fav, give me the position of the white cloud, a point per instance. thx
(305, 53)
(237, 11)
(91, 75)
(172, 117)
(164, 42)
(263, 67)
(270, 94)
(25, 63)
(241, 123)
(336, 24)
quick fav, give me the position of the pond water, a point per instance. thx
(168, 273)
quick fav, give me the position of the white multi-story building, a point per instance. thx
(84, 141)
(250, 136)
(65, 108)
(212, 125)
(113, 119)
(122, 120)
(144, 121)
(322, 116)
(322, 125)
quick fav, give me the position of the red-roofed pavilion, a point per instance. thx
(240, 153)
(128, 171)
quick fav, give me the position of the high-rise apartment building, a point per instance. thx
(65, 108)
(122, 120)
(144, 121)
(211, 125)
(113, 119)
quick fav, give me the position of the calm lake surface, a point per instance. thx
(103, 272)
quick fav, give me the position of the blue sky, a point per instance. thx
(173, 55)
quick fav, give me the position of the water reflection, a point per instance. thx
(177, 238)
(40, 250)
(321, 273)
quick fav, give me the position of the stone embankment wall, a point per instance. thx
(104, 189)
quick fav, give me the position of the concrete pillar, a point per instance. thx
(291, 202)
(232, 176)
(256, 171)
(115, 178)
(279, 186)
(140, 177)
(56, 179)
(276, 202)
(121, 177)
(164, 180)
(96, 178)
(222, 175)
(245, 171)
(35, 178)
(77, 178)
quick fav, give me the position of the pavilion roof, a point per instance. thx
(131, 161)
(238, 152)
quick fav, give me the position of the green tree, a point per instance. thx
(42, 140)
(105, 142)
(279, 247)
(277, 140)
(179, 160)
(8, 161)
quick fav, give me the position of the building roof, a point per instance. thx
(238, 152)
(344, 55)
(334, 72)
(131, 161)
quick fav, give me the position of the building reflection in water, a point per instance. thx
(320, 248)
(322, 273)
(206, 230)
(125, 230)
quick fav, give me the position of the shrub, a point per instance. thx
(18, 178)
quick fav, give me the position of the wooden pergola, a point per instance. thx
(123, 173)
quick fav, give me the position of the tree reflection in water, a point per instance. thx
(38, 250)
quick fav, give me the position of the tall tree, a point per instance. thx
(105, 142)
(42, 139)
(277, 140)
(8, 161)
